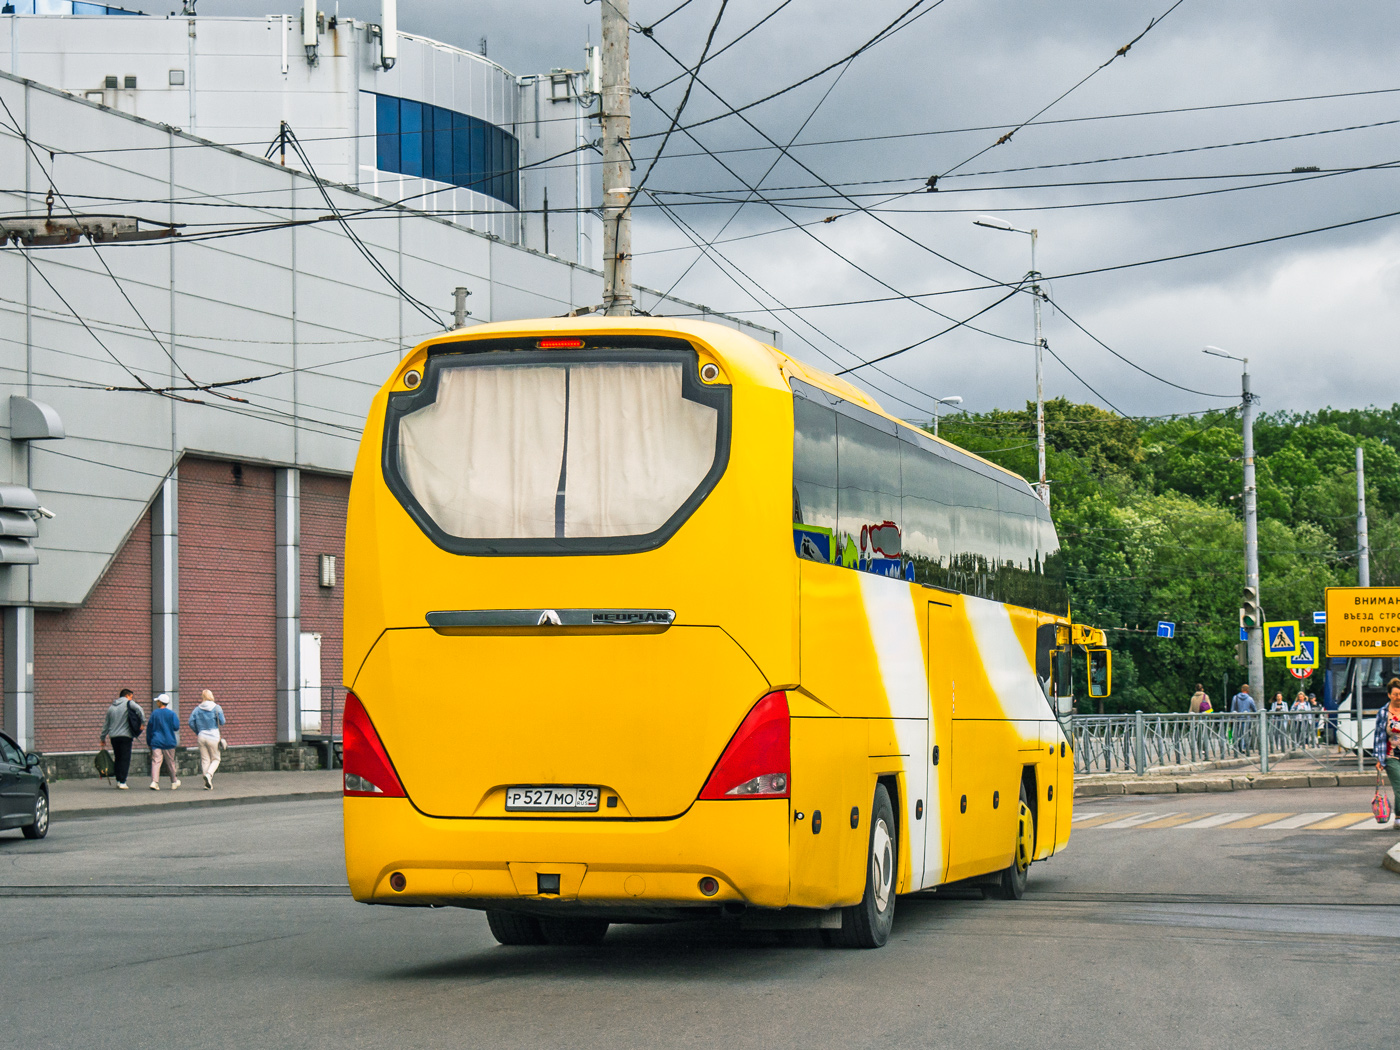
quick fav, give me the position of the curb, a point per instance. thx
(1255, 782)
(194, 803)
(1391, 860)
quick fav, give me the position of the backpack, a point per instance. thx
(134, 719)
(106, 765)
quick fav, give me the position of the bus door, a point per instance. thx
(938, 821)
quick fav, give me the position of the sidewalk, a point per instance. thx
(71, 799)
(1317, 771)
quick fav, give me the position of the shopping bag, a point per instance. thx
(1380, 805)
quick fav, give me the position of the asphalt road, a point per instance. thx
(231, 928)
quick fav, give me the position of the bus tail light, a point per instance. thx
(368, 771)
(758, 761)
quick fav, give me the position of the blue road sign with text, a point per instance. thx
(1319, 618)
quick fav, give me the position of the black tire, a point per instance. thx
(868, 924)
(39, 827)
(1011, 885)
(574, 932)
(511, 928)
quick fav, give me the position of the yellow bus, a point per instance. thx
(645, 620)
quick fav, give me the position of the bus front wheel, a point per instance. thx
(1012, 884)
(867, 924)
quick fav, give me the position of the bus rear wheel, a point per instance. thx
(574, 931)
(512, 928)
(867, 924)
(1012, 884)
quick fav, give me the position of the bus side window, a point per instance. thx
(814, 475)
(868, 511)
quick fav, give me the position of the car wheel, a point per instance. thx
(867, 924)
(40, 825)
(512, 928)
(574, 932)
(1012, 884)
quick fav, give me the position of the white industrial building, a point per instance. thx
(187, 379)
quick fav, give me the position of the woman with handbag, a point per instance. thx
(1385, 746)
(205, 720)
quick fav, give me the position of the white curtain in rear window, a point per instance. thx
(637, 449)
(483, 459)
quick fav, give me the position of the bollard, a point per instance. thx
(1263, 741)
(1139, 744)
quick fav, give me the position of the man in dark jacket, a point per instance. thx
(124, 718)
(163, 736)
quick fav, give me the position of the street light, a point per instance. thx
(1251, 517)
(954, 400)
(991, 222)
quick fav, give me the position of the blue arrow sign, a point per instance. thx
(1166, 629)
(1244, 634)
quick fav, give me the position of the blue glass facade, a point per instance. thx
(415, 138)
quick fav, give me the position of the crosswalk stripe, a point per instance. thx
(1101, 818)
(1297, 821)
(1085, 816)
(1254, 820)
(1369, 822)
(1135, 820)
(1171, 821)
(1213, 821)
(1341, 820)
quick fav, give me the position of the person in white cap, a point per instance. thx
(163, 736)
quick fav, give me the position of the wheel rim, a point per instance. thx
(41, 813)
(1023, 852)
(881, 865)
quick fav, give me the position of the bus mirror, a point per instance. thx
(1100, 672)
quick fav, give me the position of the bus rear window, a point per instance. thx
(556, 452)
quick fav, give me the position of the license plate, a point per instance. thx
(566, 799)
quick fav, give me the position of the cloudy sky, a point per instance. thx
(1317, 315)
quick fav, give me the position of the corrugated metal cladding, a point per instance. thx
(324, 501)
(84, 656)
(227, 596)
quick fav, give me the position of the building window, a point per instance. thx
(327, 567)
(110, 83)
(130, 83)
(414, 138)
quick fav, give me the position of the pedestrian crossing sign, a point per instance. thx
(1281, 638)
(1306, 657)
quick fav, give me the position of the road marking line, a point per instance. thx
(1095, 821)
(1172, 821)
(1341, 820)
(1257, 819)
(1369, 822)
(1085, 816)
(1213, 821)
(1298, 821)
(1136, 819)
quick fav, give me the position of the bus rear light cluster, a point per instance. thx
(758, 761)
(368, 771)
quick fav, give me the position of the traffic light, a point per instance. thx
(1251, 615)
(1241, 654)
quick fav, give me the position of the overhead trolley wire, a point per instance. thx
(646, 31)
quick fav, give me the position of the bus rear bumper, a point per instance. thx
(625, 865)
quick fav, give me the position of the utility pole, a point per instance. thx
(1363, 543)
(1042, 488)
(615, 108)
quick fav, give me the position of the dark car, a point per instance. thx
(24, 791)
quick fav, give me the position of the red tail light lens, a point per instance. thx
(368, 771)
(559, 343)
(758, 761)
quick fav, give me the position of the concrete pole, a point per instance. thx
(287, 559)
(1251, 538)
(1042, 488)
(616, 109)
(19, 673)
(1363, 543)
(165, 591)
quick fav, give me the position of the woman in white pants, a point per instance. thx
(205, 720)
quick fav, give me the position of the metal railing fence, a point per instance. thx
(1137, 742)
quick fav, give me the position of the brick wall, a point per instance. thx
(227, 595)
(83, 656)
(323, 505)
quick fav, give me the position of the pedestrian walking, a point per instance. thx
(206, 720)
(1279, 703)
(1200, 702)
(1242, 704)
(1301, 702)
(1385, 746)
(163, 736)
(123, 725)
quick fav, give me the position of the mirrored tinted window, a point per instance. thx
(868, 508)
